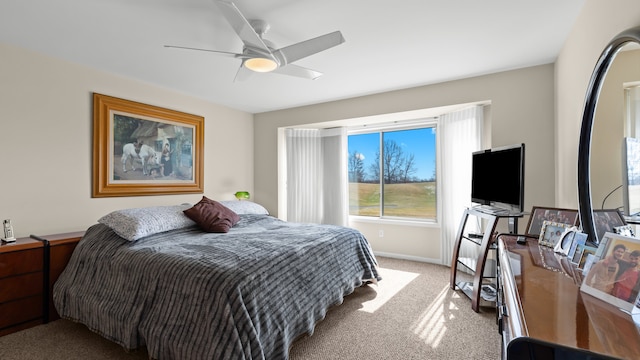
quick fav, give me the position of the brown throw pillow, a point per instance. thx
(212, 216)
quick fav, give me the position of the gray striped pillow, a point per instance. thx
(136, 223)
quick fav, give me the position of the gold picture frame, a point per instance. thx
(141, 149)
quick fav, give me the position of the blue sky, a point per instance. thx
(420, 142)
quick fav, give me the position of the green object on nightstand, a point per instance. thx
(242, 195)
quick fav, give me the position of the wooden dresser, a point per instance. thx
(28, 269)
(543, 315)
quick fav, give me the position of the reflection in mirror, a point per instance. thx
(607, 130)
(616, 117)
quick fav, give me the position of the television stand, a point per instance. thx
(470, 273)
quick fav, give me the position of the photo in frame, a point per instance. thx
(579, 252)
(605, 220)
(566, 241)
(141, 149)
(587, 263)
(579, 238)
(552, 232)
(613, 275)
(541, 214)
(586, 253)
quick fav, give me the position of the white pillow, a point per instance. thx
(241, 207)
(133, 224)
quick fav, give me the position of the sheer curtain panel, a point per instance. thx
(317, 176)
(461, 135)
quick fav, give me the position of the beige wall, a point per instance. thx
(598, 22)
(521, 111)
(45, 139)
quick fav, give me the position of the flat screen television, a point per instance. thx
(497, 177)
(631, 176)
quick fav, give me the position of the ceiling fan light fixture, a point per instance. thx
(260, 64)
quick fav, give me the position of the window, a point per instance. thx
(406, 158)
(632, 110)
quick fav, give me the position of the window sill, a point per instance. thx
(391, 221)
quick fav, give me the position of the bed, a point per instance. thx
(185, 293)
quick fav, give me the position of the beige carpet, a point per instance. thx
(410, 314)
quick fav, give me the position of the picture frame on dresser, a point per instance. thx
(606, 220)
(614, 274)
(541, 214)
(563, 246)
(141, 149)
(579, 240)
(552, 232)
(583, 255)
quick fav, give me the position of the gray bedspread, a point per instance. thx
(186, 294)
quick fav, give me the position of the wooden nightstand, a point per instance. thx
(22, 292)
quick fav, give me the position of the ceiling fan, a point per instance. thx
(259, 55)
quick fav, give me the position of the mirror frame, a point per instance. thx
(607, 56)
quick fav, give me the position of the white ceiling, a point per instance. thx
(389, 44)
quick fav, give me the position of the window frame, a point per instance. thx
(413, 124)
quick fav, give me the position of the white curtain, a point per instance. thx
(317, 176)
(632, 115)
(460, 135)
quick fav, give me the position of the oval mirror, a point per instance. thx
(600, 169)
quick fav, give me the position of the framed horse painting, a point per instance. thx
(141, 149)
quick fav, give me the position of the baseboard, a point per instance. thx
(407, 257)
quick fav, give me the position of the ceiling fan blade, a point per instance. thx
(291, 53)
(242, 74)
(298, 71)
(242, 27)
(235, 55)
